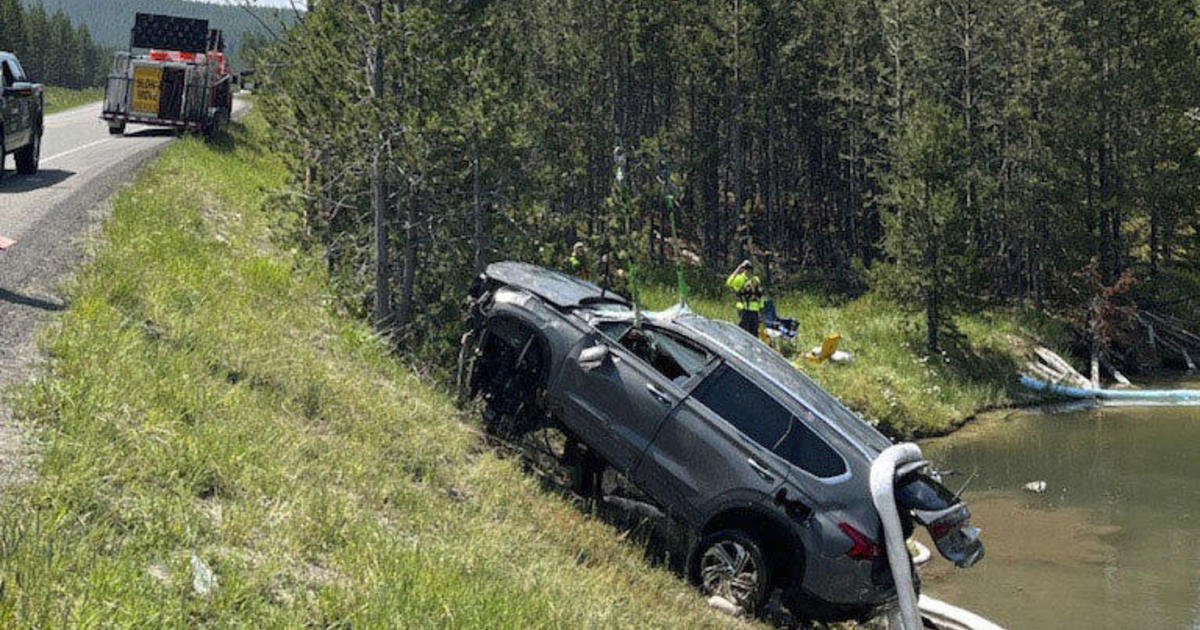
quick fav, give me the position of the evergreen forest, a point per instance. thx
(948, 154)
(51, 48)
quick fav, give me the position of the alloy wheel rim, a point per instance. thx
(729, 570)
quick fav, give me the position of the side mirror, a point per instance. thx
(593, 357)
(20, 88)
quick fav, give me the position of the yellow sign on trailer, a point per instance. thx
(147, 88)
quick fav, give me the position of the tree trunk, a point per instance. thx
(932, 292)
(409, 279)
(479, 238)
(383, 273)
(739, 221)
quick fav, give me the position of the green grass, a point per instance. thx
(892, 381)
(201, 397)
(60, 98)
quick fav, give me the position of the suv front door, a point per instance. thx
(624, 398)
(10, 107)
(715, 449)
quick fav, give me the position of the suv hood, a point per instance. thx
(556, 288)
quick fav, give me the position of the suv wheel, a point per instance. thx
(28, 156)
(731, 564)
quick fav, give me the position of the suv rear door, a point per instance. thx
(715, 449)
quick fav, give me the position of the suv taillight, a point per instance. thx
(863, 547)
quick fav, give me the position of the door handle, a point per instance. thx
(760, 470)
(658, 394)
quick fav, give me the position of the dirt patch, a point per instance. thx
(18, 356)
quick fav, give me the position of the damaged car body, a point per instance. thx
(767, 472)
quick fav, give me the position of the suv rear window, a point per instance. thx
(753, 412)
(803, 448)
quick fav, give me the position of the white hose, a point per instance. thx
(883, 476)
(949, 617)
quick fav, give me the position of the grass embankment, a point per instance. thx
(200, 397)
(892, 379)
(61, 98)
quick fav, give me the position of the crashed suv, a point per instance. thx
(766, 472)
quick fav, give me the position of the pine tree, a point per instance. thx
(923, 214)
(12, 28)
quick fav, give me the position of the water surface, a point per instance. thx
(1113, 543)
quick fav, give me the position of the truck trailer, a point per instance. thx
(174, 74)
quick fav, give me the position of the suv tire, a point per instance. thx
(731, 563)
(28, 156)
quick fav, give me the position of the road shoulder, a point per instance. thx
(32, 271)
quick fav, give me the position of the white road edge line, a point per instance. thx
(80, 148)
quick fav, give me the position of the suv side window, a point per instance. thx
(675, 359)
(756, 414)
(9, 78)
(742, 404)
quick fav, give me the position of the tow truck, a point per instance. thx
(182, 80)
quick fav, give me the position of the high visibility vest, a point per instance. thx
(748, 289)
(579, 267)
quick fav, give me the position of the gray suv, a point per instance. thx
(707, 427)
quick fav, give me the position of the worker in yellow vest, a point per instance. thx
(578, 262)
(749, 291)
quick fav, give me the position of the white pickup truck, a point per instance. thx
(22, 104)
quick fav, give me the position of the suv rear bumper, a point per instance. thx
(846, 588)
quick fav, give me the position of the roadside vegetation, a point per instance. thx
(893, 381)
(202, 397)
(59, 98)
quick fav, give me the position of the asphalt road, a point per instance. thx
(45, 215)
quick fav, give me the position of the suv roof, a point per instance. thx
(734, 345)
(557, 288)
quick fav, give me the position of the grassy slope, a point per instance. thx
(200, 397)
(891, 380)
(60, 98)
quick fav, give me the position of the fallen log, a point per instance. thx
(1052, 359)
(1116, 374)
(1174, 327)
